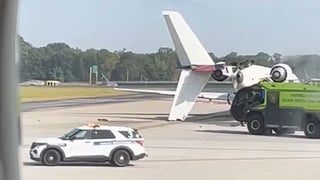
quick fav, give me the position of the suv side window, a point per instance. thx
(130, 134)
(103, 134)
(82, 134)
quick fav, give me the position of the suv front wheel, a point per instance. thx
(121, 158)
(51, 157)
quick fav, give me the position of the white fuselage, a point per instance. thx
(250, 75)
(255, 73)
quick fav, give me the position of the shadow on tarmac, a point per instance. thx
(247, 133)
(74, 164)
(220, 118)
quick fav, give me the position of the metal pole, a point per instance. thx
(9, 102)
(127, 74)
(97, 77)
(90, 75)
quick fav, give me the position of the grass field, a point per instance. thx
(33, 93)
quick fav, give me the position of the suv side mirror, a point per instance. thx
(71, 138)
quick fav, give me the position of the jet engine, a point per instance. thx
(220, 72)
(218, 75)
(280, 72)
(239, 77)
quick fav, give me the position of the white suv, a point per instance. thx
(91, 143)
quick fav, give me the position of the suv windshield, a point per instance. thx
(69, 134)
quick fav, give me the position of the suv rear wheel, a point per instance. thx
(51, 157)
(121, 158)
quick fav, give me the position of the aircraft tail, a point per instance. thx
(191, 54)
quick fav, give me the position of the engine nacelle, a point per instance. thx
(280, 72)
(239, 77)
(221, 72)
(218, 75)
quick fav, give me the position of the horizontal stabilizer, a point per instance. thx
(147, 91)
(189, 87)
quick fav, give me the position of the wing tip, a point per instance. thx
(170, 12)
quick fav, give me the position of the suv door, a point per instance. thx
(80, 144)
(103, 142)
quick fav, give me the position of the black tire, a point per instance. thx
(312, 128)
(121, 158)
(51, 157)
(255, 124)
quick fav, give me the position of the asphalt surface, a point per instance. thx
(116, 99)
(86, 101)
(208, 145)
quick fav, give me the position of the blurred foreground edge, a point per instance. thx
(9, 109)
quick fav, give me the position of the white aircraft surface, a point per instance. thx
(311, 79)
(198, 66)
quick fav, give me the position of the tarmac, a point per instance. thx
(208, 145)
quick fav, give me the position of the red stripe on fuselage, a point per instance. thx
(204, 68)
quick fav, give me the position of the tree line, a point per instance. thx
(59, 61)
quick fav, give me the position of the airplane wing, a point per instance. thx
(147, 91)
(214, 96)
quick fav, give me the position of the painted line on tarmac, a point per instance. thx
(233, 149)
(234, 159)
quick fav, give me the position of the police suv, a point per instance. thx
(91, 143)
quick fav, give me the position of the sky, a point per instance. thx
(288, 27)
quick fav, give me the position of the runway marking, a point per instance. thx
(232, 149)
(233, 159)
